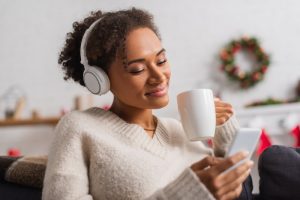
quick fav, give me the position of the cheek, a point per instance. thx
(168, 73)
(136, 84)
(129, 86)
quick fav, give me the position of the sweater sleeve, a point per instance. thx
(224, 135)
(187, 186)
(66, 176)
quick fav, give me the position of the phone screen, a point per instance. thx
(246, 139)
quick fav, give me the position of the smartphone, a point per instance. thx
(246, 139)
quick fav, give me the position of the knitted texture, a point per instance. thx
(97, 155)
(224, 135)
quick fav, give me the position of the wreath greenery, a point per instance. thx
(234, 72)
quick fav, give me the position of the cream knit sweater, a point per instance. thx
(97, 155)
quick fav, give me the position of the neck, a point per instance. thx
(134, 115)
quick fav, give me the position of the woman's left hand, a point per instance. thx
(223, 111)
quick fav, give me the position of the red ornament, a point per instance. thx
(256, 76)
(264, 69)
(14, 152)
(224, 55)
(106, 107)
(251, 48)
(236, 48)
(64, 111)
(210, 143)
(234, 70)
(296, 134)
(264, 142)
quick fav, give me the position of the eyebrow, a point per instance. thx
(143, 59)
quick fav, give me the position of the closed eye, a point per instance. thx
(136, 72)
(162, 62)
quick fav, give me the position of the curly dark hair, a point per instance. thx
(105, 42)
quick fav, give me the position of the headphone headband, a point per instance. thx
(83, 57)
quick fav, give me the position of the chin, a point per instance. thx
(159, 103)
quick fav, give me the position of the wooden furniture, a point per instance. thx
(32, 121)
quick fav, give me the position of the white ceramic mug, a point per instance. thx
(197, 112)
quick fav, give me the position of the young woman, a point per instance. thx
(127, 152)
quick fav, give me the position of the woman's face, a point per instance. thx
(144, 82)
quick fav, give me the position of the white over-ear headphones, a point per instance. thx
(95, 78)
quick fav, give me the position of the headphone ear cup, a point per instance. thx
(96, 80)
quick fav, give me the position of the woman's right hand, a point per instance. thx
(223, 186)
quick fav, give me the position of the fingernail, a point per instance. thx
(251, 163)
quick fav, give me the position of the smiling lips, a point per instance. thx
(158, 92)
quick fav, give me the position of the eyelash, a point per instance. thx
(162, 62)
(138, 72)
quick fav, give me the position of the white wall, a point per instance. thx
(32, 33)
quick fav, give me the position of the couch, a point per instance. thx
(16, 186)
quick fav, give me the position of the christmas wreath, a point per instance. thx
(233, 71)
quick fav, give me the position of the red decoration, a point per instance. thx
(106, 107)
(256, 76)
(264, 142)
(236, 48)
(210, 143)
(64, 111)
(224, 55)
(264, 69)
(14, 152)
(296, 134)
(235, 70)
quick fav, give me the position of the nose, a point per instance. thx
(156, 75)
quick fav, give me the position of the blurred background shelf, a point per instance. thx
(33, 121)
(289, 108)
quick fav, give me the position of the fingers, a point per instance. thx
(222, 118)
(222, 106)
(220, 110)
(232, 186)
(230, 161)
(223, 185)
(219, 103)
(233, 180)
(206, 162)
(232, 194)
(217, 160)
(223, 111)
(233, 174)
